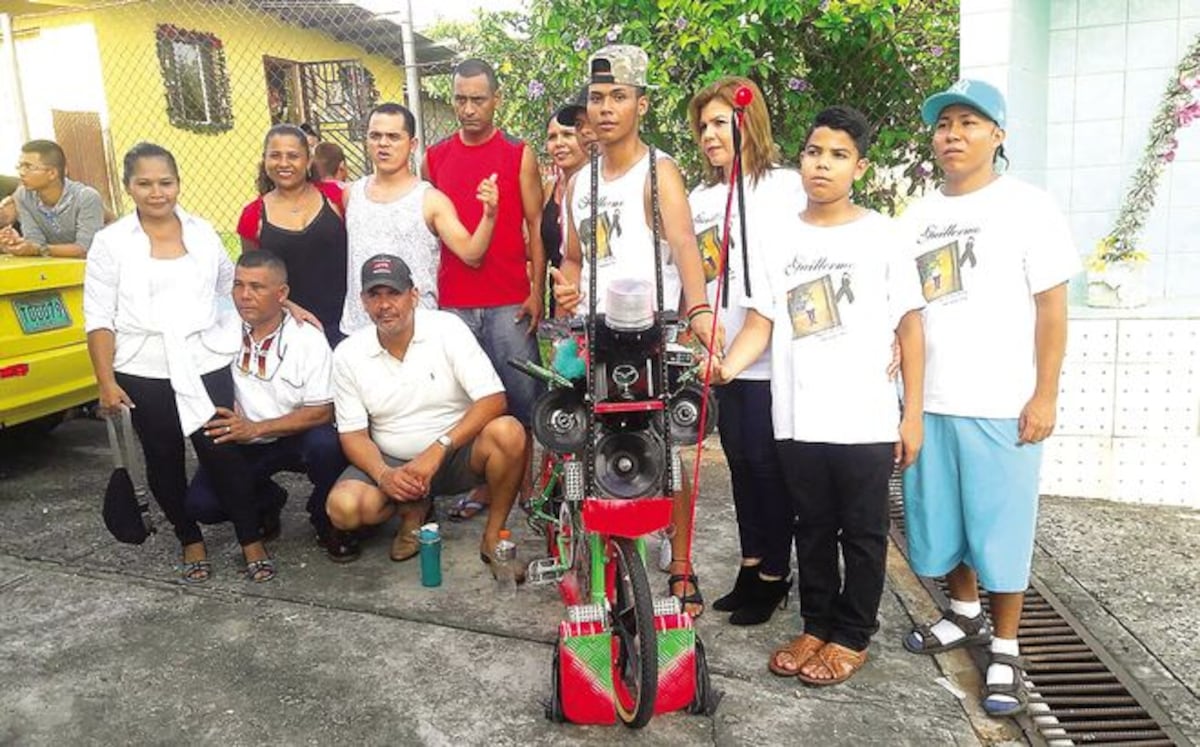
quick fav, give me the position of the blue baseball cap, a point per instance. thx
(982, 97)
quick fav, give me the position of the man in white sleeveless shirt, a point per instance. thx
(625, 239)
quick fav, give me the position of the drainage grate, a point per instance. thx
(1078, 693)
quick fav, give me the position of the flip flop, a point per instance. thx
(465, 508)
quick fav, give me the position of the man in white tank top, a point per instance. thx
(394, 211)
(624, 236)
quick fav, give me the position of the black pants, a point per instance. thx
(841, 497)
(315, 452)
(156, 420)
(760, 498)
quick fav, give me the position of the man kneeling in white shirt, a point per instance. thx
(284, 405)
(420, 412)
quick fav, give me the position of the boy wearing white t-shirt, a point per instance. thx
(830, 302)
(994, 256)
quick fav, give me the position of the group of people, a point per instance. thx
(374, 323)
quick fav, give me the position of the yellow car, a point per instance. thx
(44, 365)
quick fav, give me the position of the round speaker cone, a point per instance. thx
(560, 421)
(629, 465)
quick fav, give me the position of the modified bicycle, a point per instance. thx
(611, 424)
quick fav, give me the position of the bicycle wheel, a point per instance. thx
(636, 643)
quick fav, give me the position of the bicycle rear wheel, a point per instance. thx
(635, 641)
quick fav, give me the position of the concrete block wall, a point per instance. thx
(1128, 410)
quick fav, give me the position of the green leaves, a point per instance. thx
(881, 56)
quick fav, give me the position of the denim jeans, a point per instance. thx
(503, 337)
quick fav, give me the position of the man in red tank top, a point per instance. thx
(500, 299)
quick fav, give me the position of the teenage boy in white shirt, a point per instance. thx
(830, 303)
(616, 104)
(994, 256)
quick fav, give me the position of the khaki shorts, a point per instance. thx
(454, 476)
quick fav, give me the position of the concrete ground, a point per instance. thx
(101, 645)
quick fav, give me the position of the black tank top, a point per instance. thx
(552, 234)
(316, 263)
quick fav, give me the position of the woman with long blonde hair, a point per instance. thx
(764, 511)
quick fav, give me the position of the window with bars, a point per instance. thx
(195, 78)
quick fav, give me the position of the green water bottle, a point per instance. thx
(431, 555)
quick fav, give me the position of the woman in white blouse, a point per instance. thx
(162, 333)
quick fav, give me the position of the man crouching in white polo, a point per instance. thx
(420, 412)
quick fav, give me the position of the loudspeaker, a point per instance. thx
(683, 415)
(629, 464)
(560, 421)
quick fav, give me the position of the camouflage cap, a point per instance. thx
(622, 64)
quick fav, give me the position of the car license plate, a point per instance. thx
(41, 313)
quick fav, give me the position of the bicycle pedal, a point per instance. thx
(544, 571)
(586, 613)
(573, 480)
(666, 606)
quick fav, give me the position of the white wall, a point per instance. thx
(1084, 79)
(10, 126)
(60, 69)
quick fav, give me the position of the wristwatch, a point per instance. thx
(43, 250)
(445, 441)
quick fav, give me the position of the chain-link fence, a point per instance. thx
(206, 79)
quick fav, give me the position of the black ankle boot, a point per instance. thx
(767, 597)
(747, 579)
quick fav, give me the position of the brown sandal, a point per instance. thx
(800, 649)
(840, 662)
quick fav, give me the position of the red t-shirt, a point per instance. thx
(456, 169)
(251, 219)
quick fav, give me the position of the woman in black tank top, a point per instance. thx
(313, 251)
(565, 143)
(316, 260)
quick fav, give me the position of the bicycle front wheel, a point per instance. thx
(636, 644)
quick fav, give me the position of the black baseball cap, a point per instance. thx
(386, 269)
(568, 114)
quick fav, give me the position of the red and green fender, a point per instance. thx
(586, 661)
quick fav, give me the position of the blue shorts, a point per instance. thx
(502, 338)
(972, 497)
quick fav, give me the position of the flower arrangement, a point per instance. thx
(1179, 108)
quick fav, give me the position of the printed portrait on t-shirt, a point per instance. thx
(812, 307)
(939, 269)
(606, 228)
(709, 242)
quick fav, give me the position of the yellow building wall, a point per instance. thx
(218, 169)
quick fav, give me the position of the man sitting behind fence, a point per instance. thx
(58, 216)
(420, 412)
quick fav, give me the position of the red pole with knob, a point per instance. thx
(741, 99)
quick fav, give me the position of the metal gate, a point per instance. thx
(337, 96)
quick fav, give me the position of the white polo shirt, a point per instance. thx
(287, 370)
(408, 403)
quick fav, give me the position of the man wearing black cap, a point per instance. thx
(420, 412)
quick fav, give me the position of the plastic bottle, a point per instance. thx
(431, 555)
(504, 564)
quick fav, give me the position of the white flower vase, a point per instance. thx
(1120, 285)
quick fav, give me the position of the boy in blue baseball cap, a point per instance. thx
(994, 256)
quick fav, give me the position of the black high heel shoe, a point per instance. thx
(740, 595)
(767, 597)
